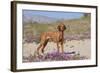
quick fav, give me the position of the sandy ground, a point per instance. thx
(79, 46)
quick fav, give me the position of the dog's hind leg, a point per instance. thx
(38, 49)
(41, 47)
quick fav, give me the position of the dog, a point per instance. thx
(57, 36)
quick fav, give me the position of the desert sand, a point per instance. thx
(83, 47)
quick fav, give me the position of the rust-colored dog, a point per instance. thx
(57, 37)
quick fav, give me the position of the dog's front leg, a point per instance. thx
(62, 48)
(58, 47)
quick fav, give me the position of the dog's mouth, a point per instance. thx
(62, 29)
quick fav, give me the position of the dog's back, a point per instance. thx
(51, 36)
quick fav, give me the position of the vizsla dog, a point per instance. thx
(57, 37)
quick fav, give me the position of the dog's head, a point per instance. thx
(61, 27)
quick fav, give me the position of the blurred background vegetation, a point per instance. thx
(76, 28)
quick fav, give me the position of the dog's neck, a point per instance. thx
(62, 33)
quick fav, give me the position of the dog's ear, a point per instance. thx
(58, 27)
(64, 27)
